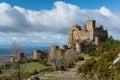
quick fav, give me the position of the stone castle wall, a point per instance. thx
(89, 47)
(80, 47)
(76, 34)
(101, 33)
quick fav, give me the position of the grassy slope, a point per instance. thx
(30, 67)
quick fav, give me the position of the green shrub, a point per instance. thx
(99, 66)
(80, 58)
(79, 70)
(48, 65)
(6, 78)
(46, 69)
(88, 66)
(27, 74)
(34, 72)
(33, 60)
(44, 61)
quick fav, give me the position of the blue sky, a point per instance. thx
(46, 22)
(48, 4)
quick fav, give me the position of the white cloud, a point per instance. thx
(105, 11)
(39, 26)
(30, 38)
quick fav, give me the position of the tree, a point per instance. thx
(17, 66)
(55, 57)
(70, 57)
(15, 48)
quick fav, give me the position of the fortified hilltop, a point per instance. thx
(91, 33)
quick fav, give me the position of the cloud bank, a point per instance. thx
(51, 26)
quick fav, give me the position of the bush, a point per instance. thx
(34, 72)
(27, 74)
(6, 78)
(79, 70)
(47, 69)
(44, 61)
(88, 66)
(103, 59)
(33, 60)
(48, 65)
(81, 58)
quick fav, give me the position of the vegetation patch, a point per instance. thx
(98, 66)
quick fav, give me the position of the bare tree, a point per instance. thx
(15, 48)
(59, 59)
(70, 57)
(54, 57)
(17, 65)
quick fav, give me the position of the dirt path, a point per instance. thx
(69, 75)
(66, 76)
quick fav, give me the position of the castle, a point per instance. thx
(90, 33)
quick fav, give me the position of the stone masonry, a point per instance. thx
(90, 33)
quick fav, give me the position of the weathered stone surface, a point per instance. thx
(37, 54)
(76, 34)
(21, 55)
(64, 47)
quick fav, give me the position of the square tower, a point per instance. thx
(90, 25)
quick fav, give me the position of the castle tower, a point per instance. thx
(97, 41)
(37, 54)
(79, 47)
(20, 55)
(90, 25)
(71, 34)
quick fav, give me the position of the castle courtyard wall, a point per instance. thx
(89, 47)
(102, 34)
(81, 35)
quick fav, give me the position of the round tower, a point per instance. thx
(37, 54)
